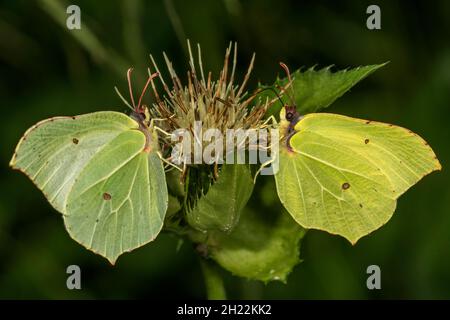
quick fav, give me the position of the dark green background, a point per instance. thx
(45, 72)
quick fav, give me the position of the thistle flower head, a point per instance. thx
(217, 103)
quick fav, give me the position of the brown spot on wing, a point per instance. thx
(345, 186)
(106, 196)
(75, 140)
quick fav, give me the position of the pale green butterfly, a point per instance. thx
(344, 175)
(103, 173)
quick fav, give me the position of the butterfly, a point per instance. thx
(344, 175)
(103, 173)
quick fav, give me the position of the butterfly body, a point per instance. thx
(142, 117)
(289, 117)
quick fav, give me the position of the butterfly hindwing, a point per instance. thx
(115, 205)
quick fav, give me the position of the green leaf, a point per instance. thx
(343, 175)
(317, 89)
(173, 207)
(264, 246)
(220, 208)
(174, 184)
(102, 174)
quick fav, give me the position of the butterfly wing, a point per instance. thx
(343, 175)
(97, 171)
(115, 204)
(54, 151)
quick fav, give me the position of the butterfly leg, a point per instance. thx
(265, 164)
(271, 119)
(162, 131)
(168, 162)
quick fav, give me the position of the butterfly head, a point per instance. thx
(289, 115)
(139, 112)
(141, 115)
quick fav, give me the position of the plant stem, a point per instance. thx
(215, 289)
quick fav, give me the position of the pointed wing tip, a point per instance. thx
(355, 239)
(12, 162)
(13, 165)
(438, 165)
(111, 259)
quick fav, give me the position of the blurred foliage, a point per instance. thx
(46, 70)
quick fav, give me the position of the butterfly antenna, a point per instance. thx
(286, 69)
(130, 70)
(123, 99)
(274, 91)
(145, 88)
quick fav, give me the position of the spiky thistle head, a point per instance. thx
(220, 104)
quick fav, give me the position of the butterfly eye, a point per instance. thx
(289, 116)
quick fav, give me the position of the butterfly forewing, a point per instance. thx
(54, 151)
